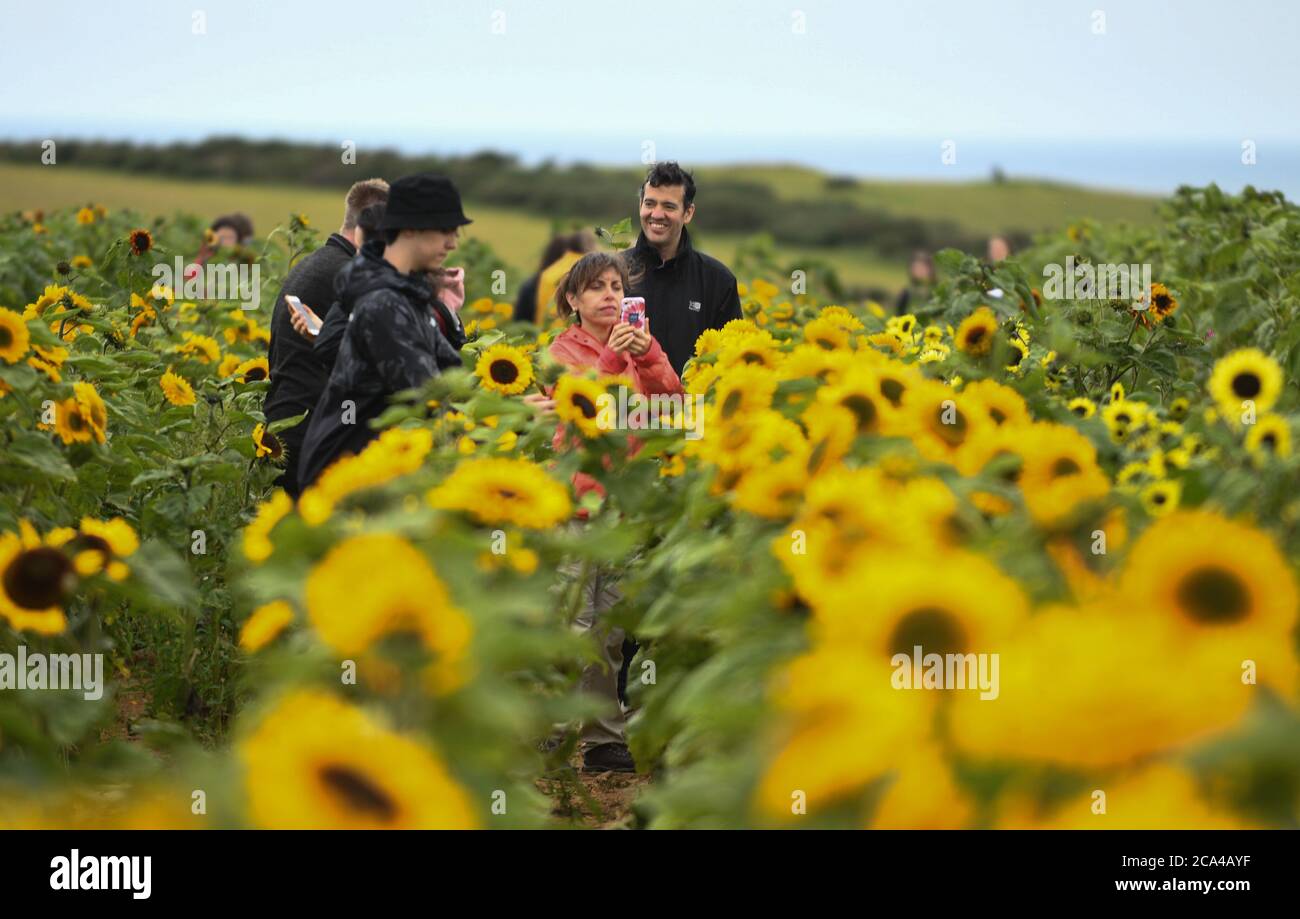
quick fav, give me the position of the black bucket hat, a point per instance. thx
(423, 202)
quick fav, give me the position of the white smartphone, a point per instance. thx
(313, 324)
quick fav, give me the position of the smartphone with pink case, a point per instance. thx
(633, 312)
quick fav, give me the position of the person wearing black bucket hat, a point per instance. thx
(393, 341)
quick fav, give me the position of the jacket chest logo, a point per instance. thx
(694, 306)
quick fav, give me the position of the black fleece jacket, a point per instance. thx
(684, 296)
(391, 343)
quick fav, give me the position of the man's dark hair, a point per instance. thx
(669, 173)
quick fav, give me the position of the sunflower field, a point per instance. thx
(1096, 496)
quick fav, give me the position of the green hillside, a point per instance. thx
(518, 237)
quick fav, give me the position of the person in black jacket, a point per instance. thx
(325, 343)
(392, 341)
(685, 290)
(297, 375)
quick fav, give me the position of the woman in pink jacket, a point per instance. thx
(592, 295)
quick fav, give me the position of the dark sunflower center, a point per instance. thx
(1065, 466)
(358, 792)
(1080, 410)
(86, 541)
(38, 578)
(892, 390)
(753, 357)
(1246, 385)
(585, 405)
(503, 372)
(828, 343)
(1214, 596)
(1162, 302)
(6, 337)
(507, 493)
(863, 409)
(975, 336)
(936, 630)
(1159, 497)
(76, 422)
(731, 403)
(997, 415)
(1269, 440)
(952, 432)
(257, 373)
(1017, 355)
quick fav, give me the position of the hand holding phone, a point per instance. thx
(308, 319)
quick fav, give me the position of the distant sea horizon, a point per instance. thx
(1142, 167)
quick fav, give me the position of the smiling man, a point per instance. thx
(685, 290)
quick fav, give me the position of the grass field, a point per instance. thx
(982, 207)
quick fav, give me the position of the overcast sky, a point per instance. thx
(473, 73)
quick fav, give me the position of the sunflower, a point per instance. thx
(1269, 436)
(252, 370)
(1136, 694)
(827, 334)
(1123, 417)
(1019, 351)
(858, 390)
(102, 545)
(1161, 498)
(1163, 303)
(1003, 404)
(36, 579)
(830, 430)
(744, 388)
(82, 261)
(71, 424)
(203, 347)
(228, 366)
(1247, 374)
(378, 584)
(504, 369)
(315, 762)
(844, 731)
(576, 401)
(923, 795)
(1157, 797)
(773, 491)
(48, 361)
(755, 348)
(943, 421)
(267, 444)
(257, 541)
(1060, 472)
(85, 216)
(975, 334)
(1082, 407)
(14, 336)
(177, 389)
(1220, 582)
(141, 241)
(92, 409)
(971, 608)
(1179, 408)
(501, 490)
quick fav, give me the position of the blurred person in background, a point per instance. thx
(920, 282)
(560, 254)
